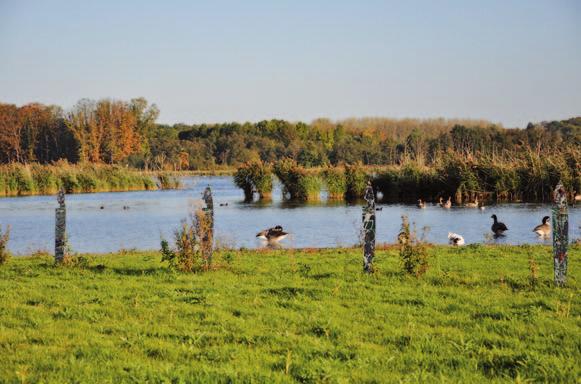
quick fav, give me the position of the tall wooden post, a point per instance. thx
(60, 237)
(208, 236)
(368, 218)
(560, 234)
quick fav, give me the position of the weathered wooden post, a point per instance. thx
(208, 236)
(560, 234)
(368, 229)
(60, 238)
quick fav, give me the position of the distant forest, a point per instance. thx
(126, 133)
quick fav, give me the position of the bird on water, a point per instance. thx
(421, 204)
(272, 234)
(497, 227)
(543, 229)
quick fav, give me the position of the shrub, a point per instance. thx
(4, 237)
(192, 245)
(412, 251)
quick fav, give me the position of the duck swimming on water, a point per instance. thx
(497, 227)
(272, 234)
(447, 204)
(543, 229)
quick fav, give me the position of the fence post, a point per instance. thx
(368, 218)
(560, 234)
(208, 239)
(60, 238)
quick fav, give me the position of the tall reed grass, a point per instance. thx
(36, 179)
(298, 183)
(254, 177)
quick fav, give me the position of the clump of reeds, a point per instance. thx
(356, 180)
(4, 237)
(25, 179)
(298, 183)
(167, 181)
(336, 182)
(254, 177)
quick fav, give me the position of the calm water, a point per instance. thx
(153, 215)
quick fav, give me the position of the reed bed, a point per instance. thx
(254, 177)
(298, 183)
(36, 179)
(531, 177)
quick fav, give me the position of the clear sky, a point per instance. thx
(213, 61)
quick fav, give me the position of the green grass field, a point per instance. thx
(284, 316)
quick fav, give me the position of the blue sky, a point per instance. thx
(211, 61)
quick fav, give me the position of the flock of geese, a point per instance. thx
(498, 228)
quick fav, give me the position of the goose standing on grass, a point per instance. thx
(472, 205)
(272, 234)
(421, 204)
(455, 239)
(497, 227)
(543, 229)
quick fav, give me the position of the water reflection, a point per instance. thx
(149, 216)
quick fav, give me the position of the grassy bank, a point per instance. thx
(284, 316)
(35, 179)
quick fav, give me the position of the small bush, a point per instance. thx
(412, 251)
(4, 237)
(192, 245)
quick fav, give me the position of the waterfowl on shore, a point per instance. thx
(472, 205)
(272, 234)
(543, 229)
(455, 239)
(497, 227)
(421, 204)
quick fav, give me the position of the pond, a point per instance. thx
(152, 215)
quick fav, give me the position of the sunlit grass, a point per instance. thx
(292, 315)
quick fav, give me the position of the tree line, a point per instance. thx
(126, 132)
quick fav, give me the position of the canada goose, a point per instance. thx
(497, 227)
(455, 239)
(543, 229)
(421, 204)
(272, 234)
(472, 205)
